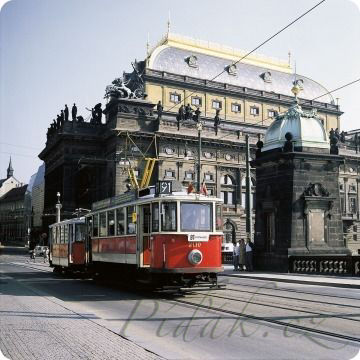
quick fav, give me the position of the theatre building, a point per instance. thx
(148, 114)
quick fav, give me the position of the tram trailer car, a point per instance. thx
(171, 239)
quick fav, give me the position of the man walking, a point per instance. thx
(249, 255)
(236, 253)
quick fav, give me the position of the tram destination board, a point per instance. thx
(163, 187)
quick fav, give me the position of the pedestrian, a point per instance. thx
(236, 251)
(242, 255)
(32, 255)
(249, 255)
(46, 255)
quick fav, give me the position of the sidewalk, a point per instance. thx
(321, 280)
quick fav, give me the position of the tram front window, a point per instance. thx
(196, 216)
(168, 216)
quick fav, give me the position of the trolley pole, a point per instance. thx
(199, 127)
(58, 208)
(248, 191)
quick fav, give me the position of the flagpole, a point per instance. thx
(199, 127)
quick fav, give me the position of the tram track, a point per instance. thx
(284, 289)
(292, 298)
(271, 321)
(293, 309)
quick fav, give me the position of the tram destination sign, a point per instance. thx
(163, 187)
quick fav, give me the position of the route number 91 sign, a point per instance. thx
(163, 187)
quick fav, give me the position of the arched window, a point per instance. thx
(228, 187)
(229, 233)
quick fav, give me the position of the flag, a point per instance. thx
(190, 188)
(203, 189)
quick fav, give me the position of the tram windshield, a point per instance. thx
(196, 216)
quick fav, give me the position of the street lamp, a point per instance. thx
(199, 127)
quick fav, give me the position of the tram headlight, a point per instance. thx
(195, 257)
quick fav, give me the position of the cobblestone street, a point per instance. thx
(33, 326)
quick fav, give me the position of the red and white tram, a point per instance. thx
(157, 237)
(68, 245)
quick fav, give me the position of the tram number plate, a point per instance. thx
(163, 187)
(198, 237)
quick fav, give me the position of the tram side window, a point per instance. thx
(155, 217)
(168, 218)
(62, 234)
(120, 217)
(54, 239)
(66, 234)
(111, 222)
(103, 224)
(131, 226)
(96, 225)
(71, 233)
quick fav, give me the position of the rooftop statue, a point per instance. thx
(130, 85)
(74, 112)
(66, 113)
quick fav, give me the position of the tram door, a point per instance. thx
(144, 233)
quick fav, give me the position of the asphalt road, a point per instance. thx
(181, 327)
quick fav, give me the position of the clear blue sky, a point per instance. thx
(59, 52)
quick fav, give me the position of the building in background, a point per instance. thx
(148, 115)
(12, 216)
(10, 182)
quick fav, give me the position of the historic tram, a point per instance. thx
(159, 236)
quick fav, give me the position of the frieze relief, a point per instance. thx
(317, 190)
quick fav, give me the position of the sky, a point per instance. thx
(57, 52)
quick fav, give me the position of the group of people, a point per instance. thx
(243, 255)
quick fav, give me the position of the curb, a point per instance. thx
(295, 281)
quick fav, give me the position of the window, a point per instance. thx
(102, 224)
(210, 191)
(216, 104)
(355, 237)
(196, 101)
(272, 113)
(236, 108)
(342, 204)
(209, 177)
(352, 205)
(189, 175)
(111, 222)
(229, 233)
(355, 228)
(66, 234)
(146, 219)
(352, 188)
(80, 232)
(169, 173)
(196, 217)
(131, 226)
(228, 197)
(254, 110)
(175, 98)
(62, 232)
(120, 218)
(168, 216)
(226, 180)
(96, 225)
(341, 187)
(219, 223)
(155, 217)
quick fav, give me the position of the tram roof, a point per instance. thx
(133, 197)
(78, 220)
